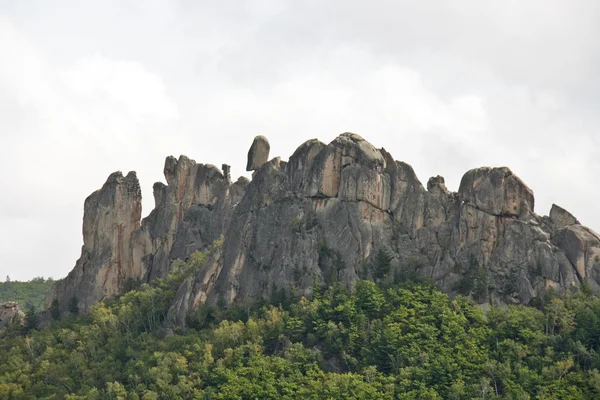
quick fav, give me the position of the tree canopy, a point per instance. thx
(27, 294)
(406, 341)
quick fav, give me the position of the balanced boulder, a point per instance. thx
(258, 154)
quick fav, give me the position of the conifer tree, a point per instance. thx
(73, 306)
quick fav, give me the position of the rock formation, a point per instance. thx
(111, 215)
(10, 313)
(258, 153)
(325, 215)
(191, 211)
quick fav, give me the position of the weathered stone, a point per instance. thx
(561, 217)
(301, 163)
(496, 191)
(347, 149)
(170, 169)
(10, 313)
(191, 211)
(582, 248)
(325, 215)
(258, 154)
(226, 172)
(361, 183)
(436, 185)
(110, 217)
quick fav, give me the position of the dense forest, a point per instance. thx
(28, 294)
(405, 340)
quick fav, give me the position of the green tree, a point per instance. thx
(31, 293)
(382, 263)
(54, 309)
(73, 306)
(32, 320)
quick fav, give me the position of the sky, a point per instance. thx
(92, 87)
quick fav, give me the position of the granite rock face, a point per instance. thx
(330, 210)
(496, 191)
(191, 211)
(111, 215)
(258, 154)
(324, 216)
(10, 313)
(561, 218)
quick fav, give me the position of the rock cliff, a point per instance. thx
(191, 211)
(10, 313)
(333, 212)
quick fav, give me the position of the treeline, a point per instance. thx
(405, 341)
(27, 294)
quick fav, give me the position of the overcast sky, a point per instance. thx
(88, 88)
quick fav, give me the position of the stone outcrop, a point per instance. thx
(258, 154)
(581, 246)
(325, 215)
(10, 313)
(191, 211)
(496, 191)
(329, 211)
(561, 218)
(111, 215)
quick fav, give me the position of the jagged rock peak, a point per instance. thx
(561, 217)
(169, 169)
(496, 191)
(436, 185)
(110, 216)
(355, 149)
(226, 172)
(115, 208)
(258, 154)
(191, 211)
(349, 168)
(325, 215)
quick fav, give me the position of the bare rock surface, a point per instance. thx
(10, 313)
(561, 218)
(191, 211)
(258, 154)
(325, 215)
(496, 191)
(110, 217)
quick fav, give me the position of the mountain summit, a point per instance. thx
(332, 213)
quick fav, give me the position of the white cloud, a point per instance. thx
(75, 125)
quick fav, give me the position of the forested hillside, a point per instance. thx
(407, 341)
(28, 294)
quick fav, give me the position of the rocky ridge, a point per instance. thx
(331, 213)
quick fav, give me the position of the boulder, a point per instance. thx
(496, 191)
(581, 245)
(436, 185)
(10, 313)
(258, 154)
(348, 149)
(561, 218)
